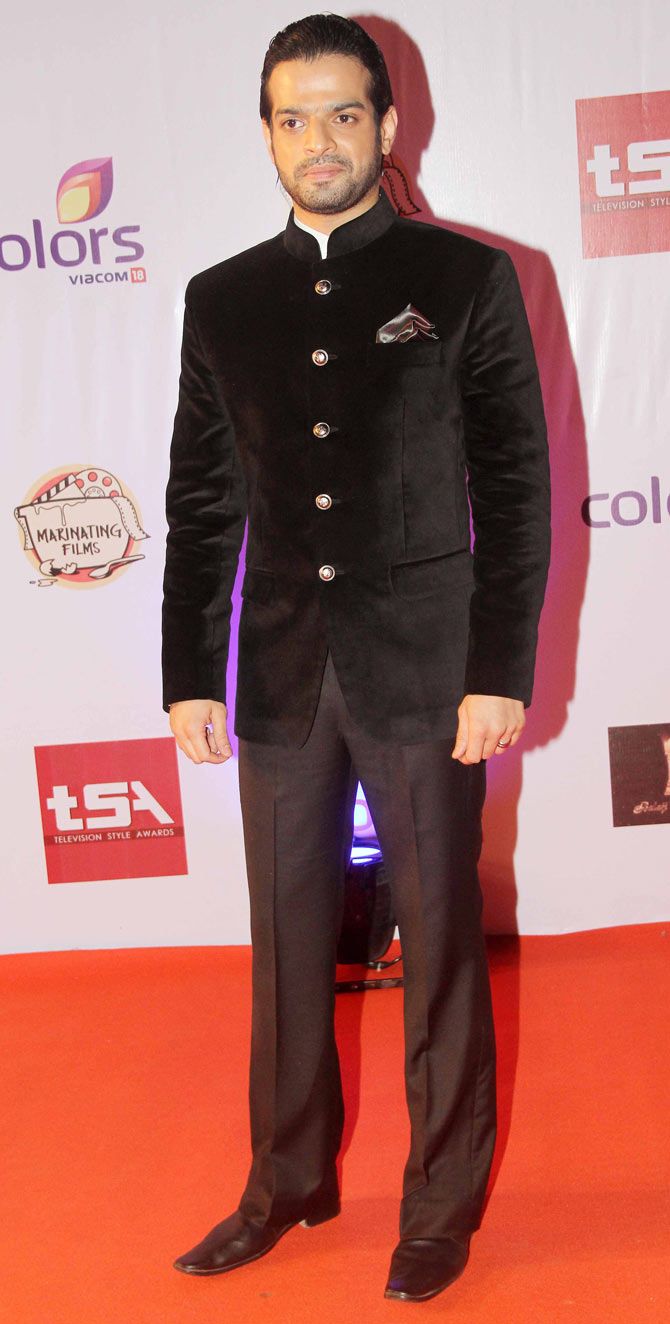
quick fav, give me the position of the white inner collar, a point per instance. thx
(318, 235)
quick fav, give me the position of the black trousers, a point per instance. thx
(297, 811)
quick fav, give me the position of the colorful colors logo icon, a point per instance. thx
(84, 190)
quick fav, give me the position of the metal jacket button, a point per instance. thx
(323, 287)
(321, 429)
(324, 501)
(327, 572)
(319, 357)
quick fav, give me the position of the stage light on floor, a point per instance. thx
(364, 852)
(368, 923)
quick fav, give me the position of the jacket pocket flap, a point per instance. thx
(417, 579)
(405, 353)
(258, 585)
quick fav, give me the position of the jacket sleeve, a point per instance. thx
(508, 483)
(206, 509)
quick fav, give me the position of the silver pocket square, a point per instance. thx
(405, 326)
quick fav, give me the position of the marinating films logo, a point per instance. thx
(80, 527)
(82, 194)
(624, 173)
(111, 810)
(640, 772)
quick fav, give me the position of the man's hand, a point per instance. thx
(487, 724)
(199, 727)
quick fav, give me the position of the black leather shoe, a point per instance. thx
(423, 1266)
(236, 1241)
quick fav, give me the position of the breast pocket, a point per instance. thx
(433, 574)
(258, 585)
(400, 354)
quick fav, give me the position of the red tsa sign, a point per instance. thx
(111, 810)
(624, 173)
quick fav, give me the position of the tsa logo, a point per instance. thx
(111, 809)
(80, 527)
(624, 173)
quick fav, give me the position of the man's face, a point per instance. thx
(322, 136)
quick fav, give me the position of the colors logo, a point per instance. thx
(84, 191)
(626, 508)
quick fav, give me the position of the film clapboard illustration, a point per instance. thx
(80, 527)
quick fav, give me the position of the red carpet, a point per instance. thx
(125, 1139)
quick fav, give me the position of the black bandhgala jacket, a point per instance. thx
(393, 438)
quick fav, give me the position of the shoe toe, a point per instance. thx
(422, 1267)
(224, 1245)
(236, 1241)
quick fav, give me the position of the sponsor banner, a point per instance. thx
(602, 510)
(90, 388)
(82, 194)
(640, 774)
(624, 173)
(80, 527)
(111, 809)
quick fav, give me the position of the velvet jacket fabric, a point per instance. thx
(417, 433)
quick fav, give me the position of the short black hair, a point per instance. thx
(328, 34)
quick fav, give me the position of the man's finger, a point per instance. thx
(200, 745)
(182, 739)
(475, 746)
(219, 739)
(186, 747)
(461, 741)
(508, 738)
(490, 746)
(504, 741)
(198, 739)
(215, 755)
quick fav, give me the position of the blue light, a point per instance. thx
(364, 828)
(364, 854)
(361, 816)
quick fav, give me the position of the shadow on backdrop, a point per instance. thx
(559, 628)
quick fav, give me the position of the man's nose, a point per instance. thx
(318, 136)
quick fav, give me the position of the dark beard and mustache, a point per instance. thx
(327, 197)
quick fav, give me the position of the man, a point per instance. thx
(345, 385)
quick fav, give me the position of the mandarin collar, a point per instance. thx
(344, 238)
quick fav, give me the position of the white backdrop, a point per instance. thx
(488, 143)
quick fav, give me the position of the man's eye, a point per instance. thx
(345, 116)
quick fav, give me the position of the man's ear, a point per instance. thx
(268, 139)
(388, 129)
